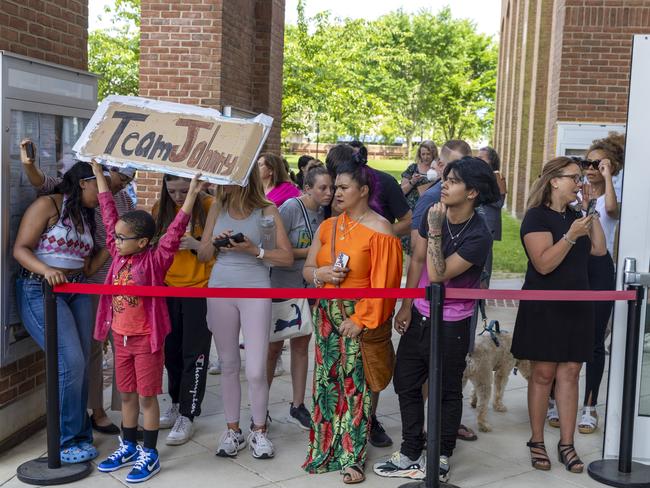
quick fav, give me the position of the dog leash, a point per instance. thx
(494, 329)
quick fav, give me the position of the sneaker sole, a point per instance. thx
(162, 425)
(110, 470)
(263, 455)
(177, 442)
(414, 474)
(294, 420)
(224, 454)
(148, 477)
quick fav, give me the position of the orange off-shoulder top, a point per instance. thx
(375, 262)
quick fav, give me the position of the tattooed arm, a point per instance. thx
(441, 269)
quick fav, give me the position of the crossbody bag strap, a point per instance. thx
(305, 216)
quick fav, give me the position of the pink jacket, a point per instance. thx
(149, 269)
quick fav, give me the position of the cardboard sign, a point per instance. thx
(173, 138)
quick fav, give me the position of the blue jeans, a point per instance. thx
(75, 326)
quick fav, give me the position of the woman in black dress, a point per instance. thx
(557, 337)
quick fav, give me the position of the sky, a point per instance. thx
(485, 13)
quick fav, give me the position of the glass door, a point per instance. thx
(634, 242)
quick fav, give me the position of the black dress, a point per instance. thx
(555, 331)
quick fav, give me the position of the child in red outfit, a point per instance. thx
(139, 324)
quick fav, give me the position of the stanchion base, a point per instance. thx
(36, 472)
(606, 471)
(423, 484)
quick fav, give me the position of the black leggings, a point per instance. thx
(602, 276)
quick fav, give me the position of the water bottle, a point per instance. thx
(267, 231)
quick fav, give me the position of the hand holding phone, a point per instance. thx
(225, 241)
(591, 207)
(30, 151)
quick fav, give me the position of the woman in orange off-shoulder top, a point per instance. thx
(366, 255)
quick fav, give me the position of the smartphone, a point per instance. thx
(591, 208)
(341, 260)
(225, 241)
(29, 150)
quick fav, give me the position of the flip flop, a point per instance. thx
(466, 434)
(347, 477)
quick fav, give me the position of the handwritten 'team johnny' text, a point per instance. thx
(151, 145)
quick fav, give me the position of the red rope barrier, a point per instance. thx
(344, 293)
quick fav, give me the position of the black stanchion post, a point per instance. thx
(50, 470)
(435, 295)
(624, 472)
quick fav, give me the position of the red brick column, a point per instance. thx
(212, 53)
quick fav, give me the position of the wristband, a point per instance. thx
(261, 254)
(566, 238)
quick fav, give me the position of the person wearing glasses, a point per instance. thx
(557, 337)
(54, 244)
(139, 324)
(119, 179)
(605, 159)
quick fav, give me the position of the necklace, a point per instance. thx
(454, 237)
(343, 225)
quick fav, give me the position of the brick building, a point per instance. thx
(561, 62)
(213, 53)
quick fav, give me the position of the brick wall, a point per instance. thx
(560, 61)
(50, 30)
(54, 31)
(21, 377)
(212, 53)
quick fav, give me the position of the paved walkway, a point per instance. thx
(498, 459)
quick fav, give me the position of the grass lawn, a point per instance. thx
(509, 256)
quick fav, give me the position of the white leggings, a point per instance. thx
(225, 317)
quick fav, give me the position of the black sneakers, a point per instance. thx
(300, 416)
(378, 436)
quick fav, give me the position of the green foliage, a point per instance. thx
(115, 53)
(400, 75)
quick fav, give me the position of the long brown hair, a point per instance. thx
(540, 192)
(167, 209)
(246, 198)
(279, 170)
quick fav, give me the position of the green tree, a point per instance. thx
(115, 53)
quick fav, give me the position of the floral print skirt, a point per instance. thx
(341, 397)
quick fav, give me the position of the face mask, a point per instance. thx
(432, 174)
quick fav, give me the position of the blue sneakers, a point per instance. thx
(125, 455)
(146, 466)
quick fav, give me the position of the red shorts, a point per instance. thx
(137, 369)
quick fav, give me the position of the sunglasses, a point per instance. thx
(589, 163)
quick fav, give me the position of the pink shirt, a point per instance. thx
(453, 310)
(283, 192)
(149, 268)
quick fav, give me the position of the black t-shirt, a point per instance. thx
(571, 273)
(472, 243)
(393, 202)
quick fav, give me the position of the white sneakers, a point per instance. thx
(230, 443)
(260, 445)
(168, 419)
(279, 367)
(181, 431)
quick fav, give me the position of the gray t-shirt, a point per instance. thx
(296, 227)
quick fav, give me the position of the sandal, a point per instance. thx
(552, 415)
(465, 433)
(589, 421)
(568, 456)
(78, 453)
(347, 476)
(539, 459)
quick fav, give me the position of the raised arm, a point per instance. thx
(206, 250)
(33, 172)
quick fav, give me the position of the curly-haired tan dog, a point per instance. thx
(490, 363)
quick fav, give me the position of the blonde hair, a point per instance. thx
(246, 198)
(431, 146)
(540, 192)
(276, 165)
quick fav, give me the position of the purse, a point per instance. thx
(377, 352)
(292, 318)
